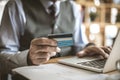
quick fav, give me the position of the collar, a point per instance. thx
(47, 3)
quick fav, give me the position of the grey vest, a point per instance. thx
(39, 22)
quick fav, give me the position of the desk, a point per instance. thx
(55, 71)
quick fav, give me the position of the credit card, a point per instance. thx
(63, 40)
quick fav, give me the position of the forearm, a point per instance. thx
(82, 47)
(6, 65)
(19, 58)
(90, 44)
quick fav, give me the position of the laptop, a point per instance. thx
(94, 63)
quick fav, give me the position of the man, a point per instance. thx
(26, 24)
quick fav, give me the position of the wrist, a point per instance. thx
(90, 45)
(29, 62)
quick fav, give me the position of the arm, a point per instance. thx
(10, 31)
(80, 38)
(83, 48)
(41, 49)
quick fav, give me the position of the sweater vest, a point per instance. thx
(39, 23)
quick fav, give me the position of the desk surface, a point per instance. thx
(55, 71)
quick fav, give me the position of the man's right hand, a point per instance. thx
(41, 49)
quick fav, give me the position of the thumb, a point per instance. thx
(81, 53)
(58, 49)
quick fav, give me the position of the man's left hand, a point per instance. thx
(94, 50)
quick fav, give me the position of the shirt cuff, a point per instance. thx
(20, 58)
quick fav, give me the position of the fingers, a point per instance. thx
(39, 58)
(58, 49)
(106, 49)
(40, 55)
(103, 53)
(45, 49)
(44, 41)
(91, 51)
(42, 49)
(38, 61)
(52, 54)
(81, 53)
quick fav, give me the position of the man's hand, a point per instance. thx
(41, 49)
(94, 50)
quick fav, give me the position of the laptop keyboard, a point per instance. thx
(95, 63)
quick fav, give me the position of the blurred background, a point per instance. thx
(101, 19)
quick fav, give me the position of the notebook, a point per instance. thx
(94, 63)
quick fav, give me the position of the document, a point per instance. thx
(57, 72)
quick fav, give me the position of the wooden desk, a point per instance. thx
(55, 60)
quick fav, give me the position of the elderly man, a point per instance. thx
(26, 24)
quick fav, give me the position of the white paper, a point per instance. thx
(57, 72)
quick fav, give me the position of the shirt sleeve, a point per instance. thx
(80, 38)
(10, 31)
